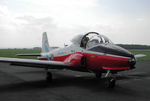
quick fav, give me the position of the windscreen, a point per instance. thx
(90, 39)
(94, 39)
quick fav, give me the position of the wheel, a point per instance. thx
(98, 75)
(111, 82)
(49, 77)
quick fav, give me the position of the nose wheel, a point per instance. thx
(110, 80)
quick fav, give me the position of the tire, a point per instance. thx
(110, 82)
(98, 75)
(49, 77)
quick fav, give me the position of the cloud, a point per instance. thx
(64, 3)
(5, 19)
(65, 12)
(22, 26)
(21, 30)
(25, 30)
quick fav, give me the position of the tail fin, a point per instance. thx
(45, 44)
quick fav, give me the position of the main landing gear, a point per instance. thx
(110, 80)
(48, 76)
(98, 75)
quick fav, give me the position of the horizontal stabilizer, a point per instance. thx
(28, 54)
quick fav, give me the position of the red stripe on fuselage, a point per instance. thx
(116, 68)
(98, 61)
(58, 58)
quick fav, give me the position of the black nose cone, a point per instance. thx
(120, 51)
(112, 50)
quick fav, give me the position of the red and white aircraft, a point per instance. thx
(91, 52)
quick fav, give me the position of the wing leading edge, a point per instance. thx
(35, 63)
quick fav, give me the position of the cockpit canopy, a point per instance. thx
(91, 39)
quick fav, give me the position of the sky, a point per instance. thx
(22, 22)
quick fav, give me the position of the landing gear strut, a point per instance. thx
(110, 80)
(48, 76)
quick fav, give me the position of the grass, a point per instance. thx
(12, 53)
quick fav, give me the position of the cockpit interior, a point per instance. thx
(92, 39)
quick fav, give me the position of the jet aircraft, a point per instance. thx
(92, 52)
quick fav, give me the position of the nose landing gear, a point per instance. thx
(110, 80)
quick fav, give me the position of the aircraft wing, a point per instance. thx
(35, 63)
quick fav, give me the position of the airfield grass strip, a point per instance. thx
(12, 53)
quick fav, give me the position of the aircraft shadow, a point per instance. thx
(90, 83)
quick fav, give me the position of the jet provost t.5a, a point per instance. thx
(91, 52)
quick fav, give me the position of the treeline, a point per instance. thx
(130, 46)
(126, 46)
(34, 48)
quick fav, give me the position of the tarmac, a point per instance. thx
(28, 84)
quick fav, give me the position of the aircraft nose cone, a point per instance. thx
(132, 62)
(112, 50)
(117, 50)
(122, 51)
